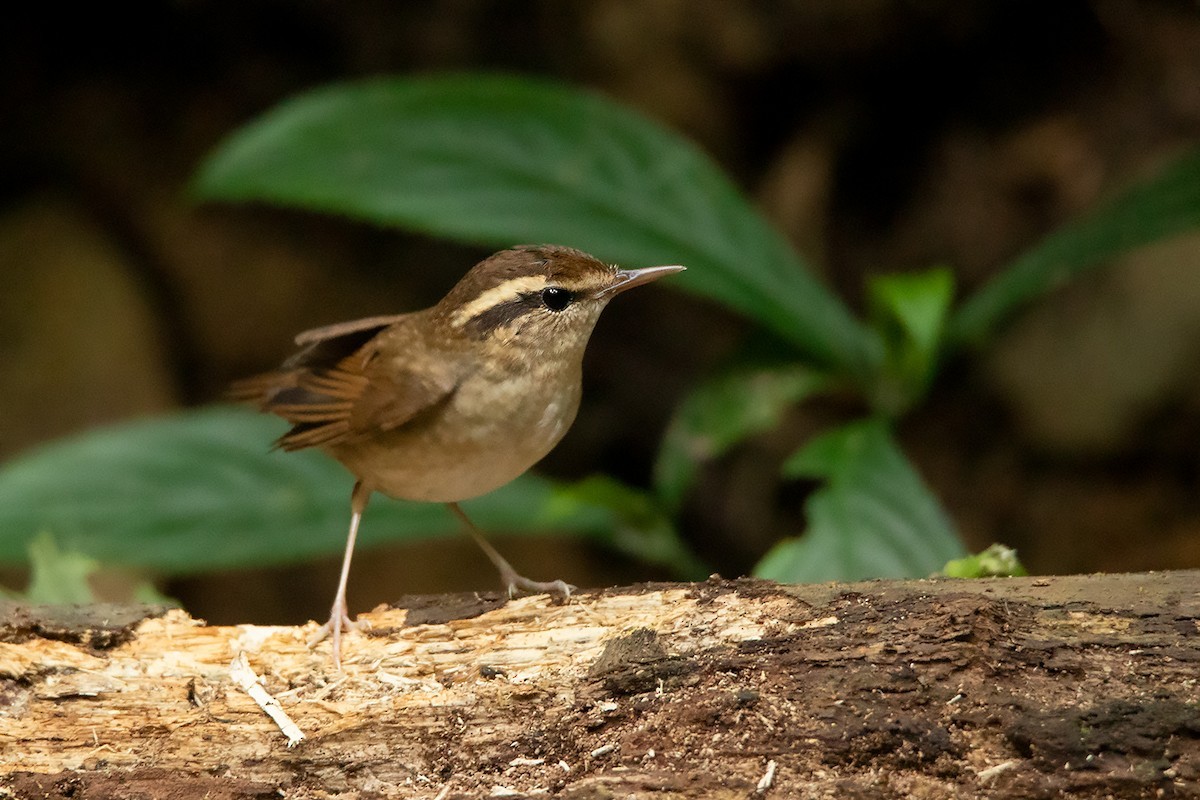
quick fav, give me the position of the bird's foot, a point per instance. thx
(518, 584)
(514, 582)
(339, 621)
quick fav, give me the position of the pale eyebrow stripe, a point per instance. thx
(506, 292)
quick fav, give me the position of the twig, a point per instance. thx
(245, 678)
(764, 783)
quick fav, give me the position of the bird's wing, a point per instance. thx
(344, 384)
(341, 329)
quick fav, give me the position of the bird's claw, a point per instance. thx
(323, 632)
(518, 584)
(338, 621)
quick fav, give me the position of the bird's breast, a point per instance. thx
(493, 428)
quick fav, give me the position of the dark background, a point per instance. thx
(879, 135)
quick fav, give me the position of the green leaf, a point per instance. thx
(497, 160)
(909, 313)
(722, 412)
(58, 576)
(641, 529)
(148, 594)
(873, 518)
(1166, 205)
(63, 577)
(998, 561)
(201, 491)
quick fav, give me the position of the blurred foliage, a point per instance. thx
(909, 312)
(997, 561)
(56, 576)
(872, 517)
(60, 577)
(722, 411)
(499, 160)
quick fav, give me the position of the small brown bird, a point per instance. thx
(451, 402)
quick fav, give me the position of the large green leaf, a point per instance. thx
(722, 412)
(498, 160)
(873, 518)
(1166, 205)
(200, 491)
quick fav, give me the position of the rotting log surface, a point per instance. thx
(1022, 688)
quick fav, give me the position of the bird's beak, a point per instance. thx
(629, 278)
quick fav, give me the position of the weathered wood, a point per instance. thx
(999, 688)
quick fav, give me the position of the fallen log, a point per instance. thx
(1031, 687)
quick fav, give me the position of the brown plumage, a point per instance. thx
(332, 390)
(318, 388)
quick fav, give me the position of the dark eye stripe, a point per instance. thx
(505, 313)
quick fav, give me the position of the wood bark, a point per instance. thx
(1039, 687)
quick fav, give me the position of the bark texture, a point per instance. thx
(1038, 687)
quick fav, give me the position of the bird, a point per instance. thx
(450, 402)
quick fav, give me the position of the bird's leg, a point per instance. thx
(513, 581)
(339, 619)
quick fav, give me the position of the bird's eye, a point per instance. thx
(557, 298)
